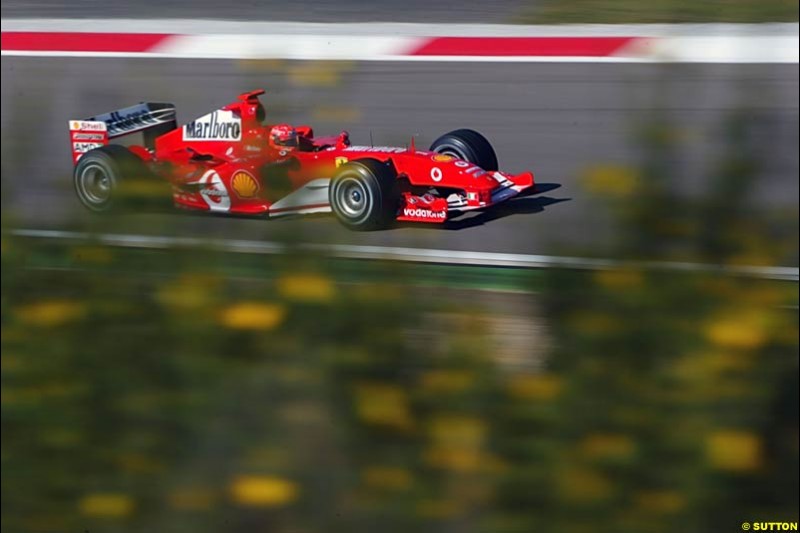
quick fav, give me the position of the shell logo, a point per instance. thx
(244, 184)
(442, 158)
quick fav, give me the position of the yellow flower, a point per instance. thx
(188, 292)
(735, 450)
(51, 313)
(742, 330)
(106, 505)
(700, 367)
(535, 387)
(306, 288)
(458, 443)
(454, 458)
(263, 491)
(253, 316)
(462, 431)
(383, 404)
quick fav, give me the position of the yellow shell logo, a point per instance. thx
(244, 184)
(442, 158)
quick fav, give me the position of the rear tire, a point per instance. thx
(468, 145)
(104, 177)
(363, 194)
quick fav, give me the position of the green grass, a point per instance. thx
(659, 11)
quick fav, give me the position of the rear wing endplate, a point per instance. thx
(153, 119)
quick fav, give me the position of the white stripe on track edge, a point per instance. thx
(438, 59)
(410, 29)
(414, 255)
(394, 58)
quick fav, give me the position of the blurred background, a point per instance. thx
(158, 377)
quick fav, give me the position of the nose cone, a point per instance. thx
(463, 173)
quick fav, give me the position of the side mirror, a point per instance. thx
(245, 97)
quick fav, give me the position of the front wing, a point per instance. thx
(436, 210)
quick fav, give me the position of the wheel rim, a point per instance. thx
(96, 184)
(453, 151)
(352, 198)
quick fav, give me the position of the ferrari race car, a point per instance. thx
(231, 161)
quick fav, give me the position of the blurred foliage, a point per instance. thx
(191, 390)
(183, 400)
(178, 399)
(679, 406)
(659, 11)
(656, 220)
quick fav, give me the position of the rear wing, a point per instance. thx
(153, 119)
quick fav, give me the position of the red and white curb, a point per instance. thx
(200, 39)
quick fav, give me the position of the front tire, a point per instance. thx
(363, 194)
(468, 145)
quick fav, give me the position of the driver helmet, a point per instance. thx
(283, 136)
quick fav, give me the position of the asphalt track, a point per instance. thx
(558, 120)
(446, 11)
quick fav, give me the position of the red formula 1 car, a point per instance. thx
(231, 161)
